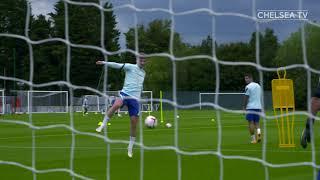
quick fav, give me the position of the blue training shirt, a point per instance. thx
(134, 78)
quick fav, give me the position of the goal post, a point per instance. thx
(147, 104)
(93, 103)
(226, 99)
(47, 101)
(2, 102)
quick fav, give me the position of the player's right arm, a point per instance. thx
(245, 102)
(111, 64)
(245, 98)
(121, 66)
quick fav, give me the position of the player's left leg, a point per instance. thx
(85, 110)
(257, 127)
(251, 131)
(257, 124)
(133, 108)
(133, 134)
(108, 114)
(252, 117)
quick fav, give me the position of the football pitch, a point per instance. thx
(197, 136)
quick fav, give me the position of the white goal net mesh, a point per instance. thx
(39, 101)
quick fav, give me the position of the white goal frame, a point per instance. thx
(91, 105)
(200, 96)
(29, 102)
(148, 104)
(3, 103)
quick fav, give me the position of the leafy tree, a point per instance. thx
(13, 51)
(154, 38)
(268, 49)
(85, 29)
(158, 75)
(231, 77)
(45, 64)
(290, 53)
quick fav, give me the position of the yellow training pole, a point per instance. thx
(283, 104)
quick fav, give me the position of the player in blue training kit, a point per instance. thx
(308, 130)
(252, 106)
(315, 107)
(129, 95)
(85, 106)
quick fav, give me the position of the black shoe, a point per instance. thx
(305, 138)
(308, 137)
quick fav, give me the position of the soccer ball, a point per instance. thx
(151, 122)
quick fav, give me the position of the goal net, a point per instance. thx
(30, 149)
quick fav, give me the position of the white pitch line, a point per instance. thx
(183, 149)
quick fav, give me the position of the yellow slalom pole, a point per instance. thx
(292, 125)
(161, 111)
(278, 123)
(283, 103)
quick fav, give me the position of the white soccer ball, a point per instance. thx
(151, 122)
(168, 125)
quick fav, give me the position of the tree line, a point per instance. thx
(198, 74)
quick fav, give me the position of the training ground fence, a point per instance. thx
(58, 102)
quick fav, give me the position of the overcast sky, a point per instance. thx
(195, 27)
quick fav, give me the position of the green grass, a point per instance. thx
(196, 133)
